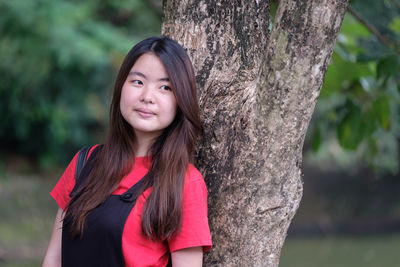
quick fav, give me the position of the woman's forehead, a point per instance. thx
(150, 67)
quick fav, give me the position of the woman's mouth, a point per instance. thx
(145, 113)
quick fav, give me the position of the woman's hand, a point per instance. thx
(192, 257)
(53, 254)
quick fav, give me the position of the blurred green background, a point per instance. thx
(58, 62)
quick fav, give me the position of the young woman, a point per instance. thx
(138, 201)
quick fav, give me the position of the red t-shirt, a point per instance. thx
(137, 249)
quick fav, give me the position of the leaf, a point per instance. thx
(366, 57)
(316, 138)
(380, 112)
(349, 131)
(373, 50)
(341, 73)
(394, 25)
(367, 83)
(369, 124)
(387, 66)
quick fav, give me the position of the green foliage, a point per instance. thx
(387, 66)
(349, 128)
(395, 25)
(58, 60)
(360, 95)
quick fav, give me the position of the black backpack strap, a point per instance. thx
(82, 157)
(82, 168)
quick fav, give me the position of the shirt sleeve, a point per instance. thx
(65, 184)
(195, 231)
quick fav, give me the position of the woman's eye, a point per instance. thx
(165, 87)
(137, 82)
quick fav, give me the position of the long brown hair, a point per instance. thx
(171, 152)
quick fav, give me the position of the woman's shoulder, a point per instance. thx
(91, 148)
(83, 152)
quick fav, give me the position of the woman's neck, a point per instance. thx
(143, 144)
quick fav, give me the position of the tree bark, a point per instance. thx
(257, 92)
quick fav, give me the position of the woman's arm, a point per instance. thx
(192, 257)
(53, 254)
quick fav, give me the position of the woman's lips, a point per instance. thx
(145, 113)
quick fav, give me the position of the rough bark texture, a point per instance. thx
(257, 92)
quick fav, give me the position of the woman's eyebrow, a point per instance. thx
(138, 73)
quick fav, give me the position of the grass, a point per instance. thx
(26, 218)
(365, 251)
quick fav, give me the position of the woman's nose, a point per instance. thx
(147, 95)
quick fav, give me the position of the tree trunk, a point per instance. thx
(257, 92)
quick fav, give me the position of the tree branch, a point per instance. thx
(383, 39)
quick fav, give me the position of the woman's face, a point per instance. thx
(147, 101)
